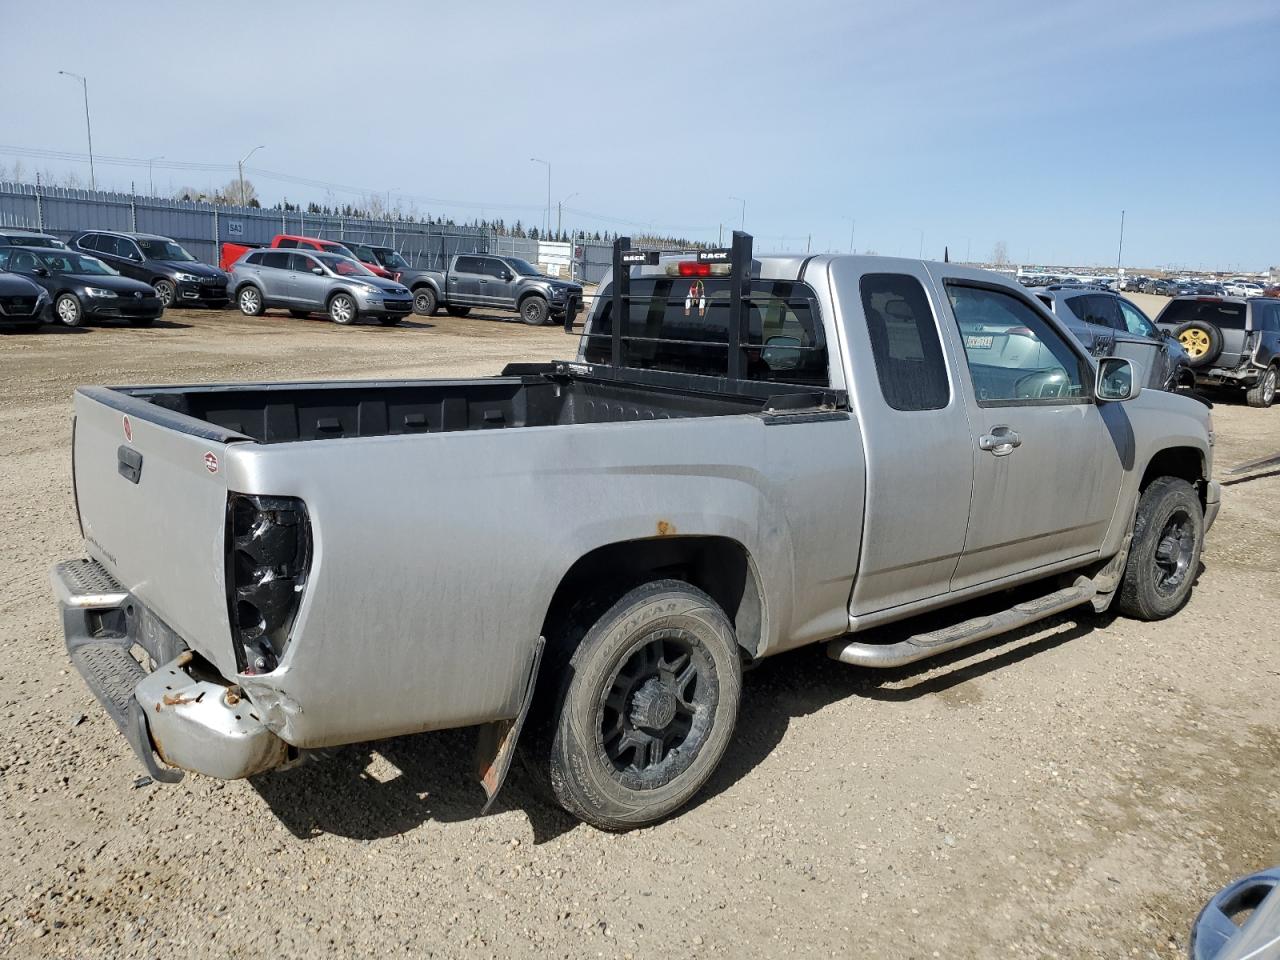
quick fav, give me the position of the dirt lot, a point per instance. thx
(1075, 792)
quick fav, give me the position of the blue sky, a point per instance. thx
(968, 123)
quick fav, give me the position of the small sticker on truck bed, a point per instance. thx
(211, 462)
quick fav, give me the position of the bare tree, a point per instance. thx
(1000, 253)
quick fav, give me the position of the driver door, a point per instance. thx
(1046, 472)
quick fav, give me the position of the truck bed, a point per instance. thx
(288, 412)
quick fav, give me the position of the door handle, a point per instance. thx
(1000, 441)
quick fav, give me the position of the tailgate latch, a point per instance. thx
(129, 463)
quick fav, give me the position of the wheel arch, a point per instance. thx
(1185, 463)
(720, 566)
(532, 292)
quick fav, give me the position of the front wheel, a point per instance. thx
(534, 311)
(1263, 393)
(250, 301)
(648, 709)
(425, 302)
(166, 291)
(1164, 554)
(68, 310)
(342, 309)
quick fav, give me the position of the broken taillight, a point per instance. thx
(268, 557)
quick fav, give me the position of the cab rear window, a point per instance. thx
(681, 325)
(1229, 316)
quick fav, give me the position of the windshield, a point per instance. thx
(343, 266)
(392, 259)
(363, 254)
(1229, 316)
(339, 249)
(76, 263)
(523, 267)
(164, 250)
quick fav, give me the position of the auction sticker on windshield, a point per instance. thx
(978, 343)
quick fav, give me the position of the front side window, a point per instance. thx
(681, 325)
(287, 244)
(1136, 322)
(301, 263)
(88, 242)
(1014, 354)
(904, 342)
(393, 261)
(23, 262)
(495, 268)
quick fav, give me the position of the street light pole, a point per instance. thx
(1120, 252)
(546, 227)
(742, 221)
(853, 225)
(88, 128)
(151, 183)
(240, 167)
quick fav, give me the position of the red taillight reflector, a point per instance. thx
(692, 268)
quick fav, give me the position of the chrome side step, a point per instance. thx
(85, 585)
(923, 645)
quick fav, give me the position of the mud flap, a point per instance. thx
(496, 743)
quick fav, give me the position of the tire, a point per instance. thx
(1164, 555)
(456, 311)
(425, 302)
(1263, 393)
(343, 309)
(166, 291)
(249, 299)
(299, 314)
(662, 659)
(68, 311)
(142, 321)
(1202, 340)
(534, 311)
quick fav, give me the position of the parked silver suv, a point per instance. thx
(304, 283)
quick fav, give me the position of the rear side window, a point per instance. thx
(467, 265)
(280, 261)
(1229, 316)
(89, 242)
(682, 325)
(904, 342)
(1096, 309)
(255, 259)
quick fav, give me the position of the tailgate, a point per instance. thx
(152, 498)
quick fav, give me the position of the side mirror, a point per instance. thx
(781, 353)
(317, 271)
(41, 271)
(506, 274)
(1117, 380)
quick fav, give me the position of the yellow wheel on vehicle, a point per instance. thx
(1195, 342)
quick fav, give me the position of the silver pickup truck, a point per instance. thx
(762, 453)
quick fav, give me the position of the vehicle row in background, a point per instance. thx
(78, 288)
(508, 283)
(159, 262)
(306, 281)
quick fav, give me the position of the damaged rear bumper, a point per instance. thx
(176, 716)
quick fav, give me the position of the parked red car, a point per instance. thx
(231, 252)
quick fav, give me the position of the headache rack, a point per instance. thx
(778, 396)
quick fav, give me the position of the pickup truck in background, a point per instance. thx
(763, 453)
(486, 280)
(232, 252)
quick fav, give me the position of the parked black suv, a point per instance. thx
(83, 287)
(1231, 341)
(178, 277)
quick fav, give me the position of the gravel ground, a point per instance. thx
(1076, 790)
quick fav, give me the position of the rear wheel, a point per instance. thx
(342, 309)
(250, 301)
(456, 311)
(648, 708)
(1263, 393)
(425, 302)
(166, 291)
(534, 311)
(1164, 555)
(68, 310)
